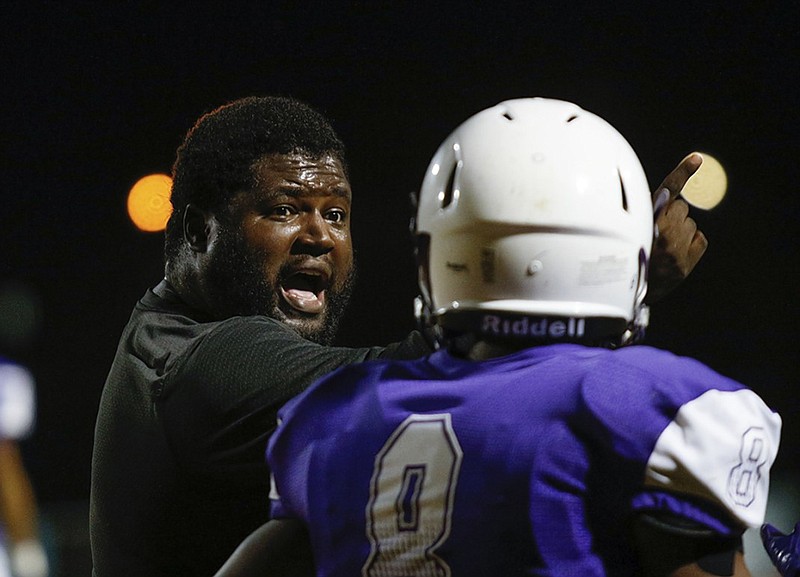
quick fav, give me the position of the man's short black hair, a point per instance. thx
(216, 158)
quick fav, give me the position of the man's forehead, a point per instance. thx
(299, 173)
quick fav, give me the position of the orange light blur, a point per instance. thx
(148, 202)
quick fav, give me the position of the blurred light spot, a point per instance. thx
(148, 202)
(707, 187)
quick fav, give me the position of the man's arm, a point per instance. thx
(679, 245)
(279, 548)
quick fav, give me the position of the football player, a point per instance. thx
(534, 441)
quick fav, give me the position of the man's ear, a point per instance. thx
(197, 228)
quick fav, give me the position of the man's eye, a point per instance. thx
(283, 211)
(336, 215)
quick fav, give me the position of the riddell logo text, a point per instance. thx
(524, 327)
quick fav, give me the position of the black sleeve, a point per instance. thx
(415, 345)
(665, 543)
(260, 357)
(226, 392)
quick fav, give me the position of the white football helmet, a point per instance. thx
(535, 220)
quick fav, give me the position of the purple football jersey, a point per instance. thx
(529, 464)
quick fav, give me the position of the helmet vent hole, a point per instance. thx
(507, 116)
(571, 118)
(624, 194)
(447, 193)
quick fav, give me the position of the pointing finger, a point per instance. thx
(676, 180)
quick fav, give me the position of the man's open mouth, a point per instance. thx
(305, 291)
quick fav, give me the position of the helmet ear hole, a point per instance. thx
(624, 194)
(449, 190)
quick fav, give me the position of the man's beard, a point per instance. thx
(236, 283)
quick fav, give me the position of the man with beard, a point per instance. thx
(259, 267)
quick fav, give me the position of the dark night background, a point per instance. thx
(96, 95)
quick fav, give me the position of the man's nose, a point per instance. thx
(315, 234)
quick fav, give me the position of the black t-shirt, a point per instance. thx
(179, 477)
